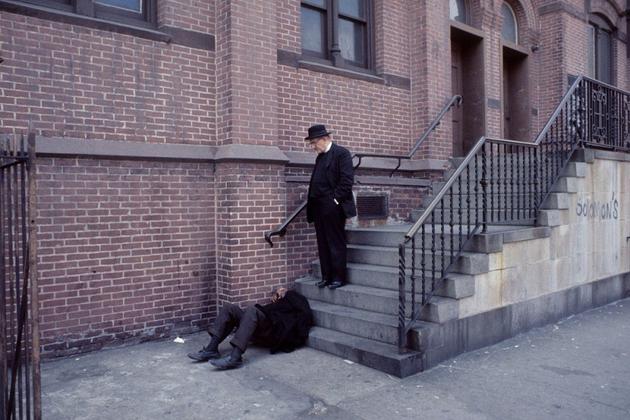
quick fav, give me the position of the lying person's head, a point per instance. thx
(279, 294)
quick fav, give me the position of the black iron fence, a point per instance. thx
(19, 329)
(608, 117)
(503, 182)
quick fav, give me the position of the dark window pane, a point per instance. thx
(508, 30)
(135, 5)
(604, 57)
(352, 41)
(458, 10)
(313, 30)
(354, 8)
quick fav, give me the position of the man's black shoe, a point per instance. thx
(322, 283)
(226, 363)
(204, 355)
(335, 285)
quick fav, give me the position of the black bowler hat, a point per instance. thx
(316, 131)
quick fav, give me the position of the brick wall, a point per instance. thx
(246, 66)
(72, 81)
(364, 116)
(194, 15)
(300, 239)
(250, 201)
(126, 250)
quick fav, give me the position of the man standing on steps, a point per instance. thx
(330, 203)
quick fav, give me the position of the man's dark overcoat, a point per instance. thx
(339, 174)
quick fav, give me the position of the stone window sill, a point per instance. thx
(339, 71)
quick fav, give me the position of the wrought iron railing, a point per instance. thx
(608, 117)
(503, 181)
(19, 328)
(456, 100)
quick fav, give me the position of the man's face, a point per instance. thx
(279, 294)
(319, 144)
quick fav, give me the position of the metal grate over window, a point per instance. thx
(372, 206)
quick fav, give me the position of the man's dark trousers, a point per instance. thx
(330, 223)
(250, 323)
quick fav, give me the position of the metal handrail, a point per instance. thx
(414, 229)
(455, 100)
(536, 195)
(281, 229)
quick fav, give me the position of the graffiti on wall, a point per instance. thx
(599, 210)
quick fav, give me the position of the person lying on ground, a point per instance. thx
(282, 325)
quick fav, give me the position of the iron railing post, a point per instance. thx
(402, 328)
(34, 283)
(484, 190)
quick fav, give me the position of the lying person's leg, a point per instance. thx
(229, 317)
(252, 323)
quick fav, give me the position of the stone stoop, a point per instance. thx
(359, 322)
(555, 209)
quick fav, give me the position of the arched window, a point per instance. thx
(509, 30)
(600, 55)
(458, 10)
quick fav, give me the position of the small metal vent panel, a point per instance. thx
(372, 206)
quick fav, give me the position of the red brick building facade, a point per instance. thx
(170, 132)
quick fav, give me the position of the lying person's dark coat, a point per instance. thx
(291, 319)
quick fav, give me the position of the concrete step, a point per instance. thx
(520, 197)
(375, 300)
(499, 214)
(508, 181)
(516, 185)
(392, 237)
(455, 286)
(553, 217)
(360, 323)
(388, 235)
(556, 201)
(576, 169)
(370, 353)
(467, 263)
(566, 185)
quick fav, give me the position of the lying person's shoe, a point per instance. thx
(204, 355)
(335, 285)
(226, 362)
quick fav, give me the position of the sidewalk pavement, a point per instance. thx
(578, 368)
